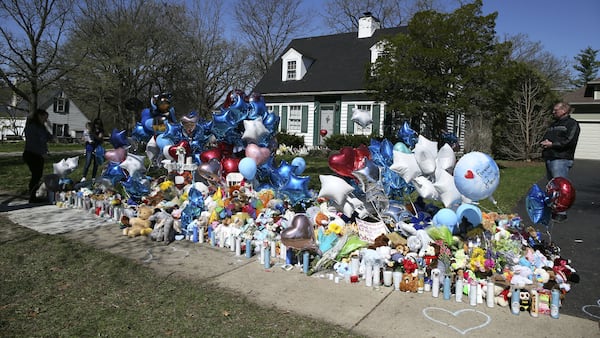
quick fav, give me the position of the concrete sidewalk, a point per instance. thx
(375, 312)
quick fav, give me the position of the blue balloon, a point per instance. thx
(536, 206)
(476, 176)
(247, 168)
(387, 151)
(140, 133)
(445, 217)
(296, 189)
(299, 165)
(271, 122)
(471, 212)
(134, 186)
(223, 122)
(162, 142)
(114, 173)
(195, 197)
(281, 175)
(173, 132)
(407, 135)
(146, 120)
(118, 138)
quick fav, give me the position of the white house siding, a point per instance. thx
(75, 119)
(588, 146)
(6, 127)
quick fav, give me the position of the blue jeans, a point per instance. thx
(558, 168)
(89, 157)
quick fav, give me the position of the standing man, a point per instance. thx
(36, 149)
(559, 146)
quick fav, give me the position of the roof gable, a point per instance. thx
(339, 64)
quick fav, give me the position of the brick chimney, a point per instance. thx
(367, 25)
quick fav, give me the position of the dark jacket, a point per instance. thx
(564, 134)
(36, 138)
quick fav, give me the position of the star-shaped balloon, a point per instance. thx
(281, 174)
(254, 131)
(140, 133)
(296, 188)
(173, 132)
(223, 122)
(114, 173)
(257, 108)
(406, 165)
(368, 175)
(362, 117)
(134, 186)
(271, 122)
(72, 162)
(334, 188)
(118, 138)
(61, 168)
(407, 135)
(133, 164)
(426, 152)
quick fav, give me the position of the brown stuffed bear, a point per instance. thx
(409, 283)
(140, 225)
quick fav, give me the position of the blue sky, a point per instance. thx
(564, 27)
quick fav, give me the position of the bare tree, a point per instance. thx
(32, 32)
(342, 15)
(527, 117)
(533, 53)
(268, 26)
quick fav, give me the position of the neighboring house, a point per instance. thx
(12, 122)
(586, 104)
(67, 120)
(318, 81)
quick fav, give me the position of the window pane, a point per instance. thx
(291, 70)
(295, 119)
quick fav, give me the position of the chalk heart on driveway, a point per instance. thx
(458, 320)
(592, 310)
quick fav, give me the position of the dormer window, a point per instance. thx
(61, 104)
(291, 70)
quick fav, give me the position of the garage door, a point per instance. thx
(588, 146)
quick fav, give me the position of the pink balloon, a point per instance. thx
(115, 155)
(259, 154)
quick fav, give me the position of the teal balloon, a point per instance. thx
(401, 147)
(247, 168)
(162, 142)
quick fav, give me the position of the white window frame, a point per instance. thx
(61, 105)
(358, 130)
(294, 123)
(292, 70)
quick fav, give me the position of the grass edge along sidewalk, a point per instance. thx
(54, 286)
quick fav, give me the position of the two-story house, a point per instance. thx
(318, 81)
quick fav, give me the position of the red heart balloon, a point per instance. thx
(230, 165)
(469, 175)
(185, 145)
(225, 148)
(360, 154)
(208, 155)
(323, 132)
(561, 194)
(343, 163)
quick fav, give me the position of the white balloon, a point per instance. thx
(334, 188)
(254, 131)
(425, 187)
(444, 185)
(133, 164)
(72, 162)
(61, 168)
(362, 117)
(152, 149)
(425, 153)
(406, 165)
(446, 159)
(165, 152)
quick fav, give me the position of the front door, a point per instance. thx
(327, 119)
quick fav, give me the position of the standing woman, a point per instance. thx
(36, 149)
(95, 138)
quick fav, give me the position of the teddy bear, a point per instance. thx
(164, 230)
(409, 283)
(140, 225)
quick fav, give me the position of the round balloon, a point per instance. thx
(247, 168)
(469, 212)
(476, 176)
(445, 217)
(561, 194)
(299, 165)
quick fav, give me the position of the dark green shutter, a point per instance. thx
(67, 104)
(304, 122)
(350, 123)
(276, 110)
(376, 116)
(55, 105)
(284, 119)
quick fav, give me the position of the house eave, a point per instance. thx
(333, 92)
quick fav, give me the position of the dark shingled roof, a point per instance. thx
(584, 94)
(339, 63)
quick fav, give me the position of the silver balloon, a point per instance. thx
(299, 234)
